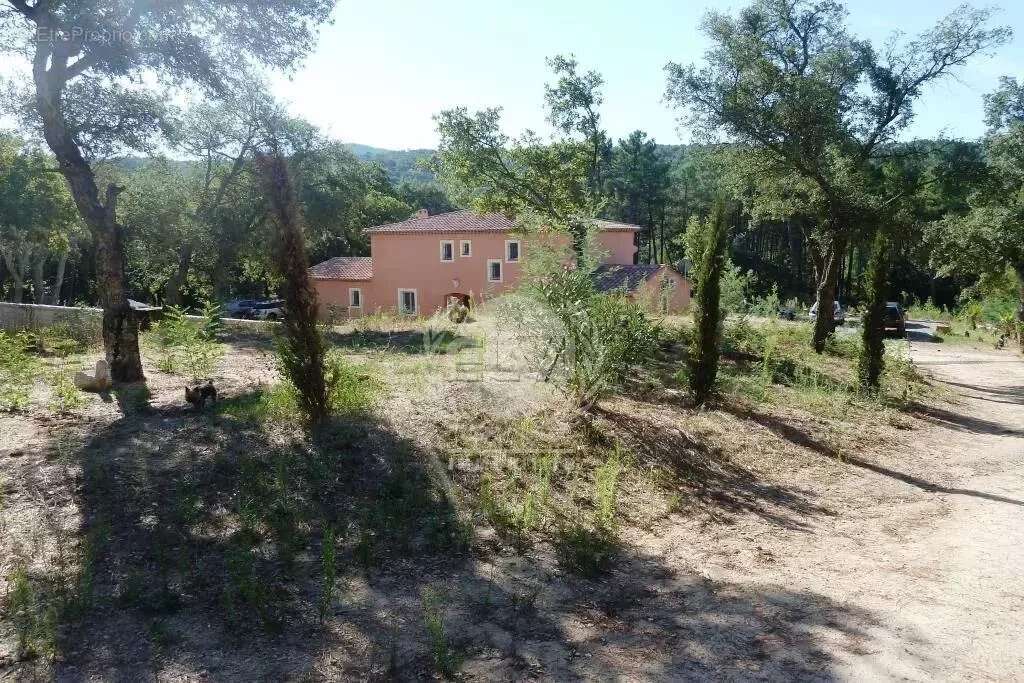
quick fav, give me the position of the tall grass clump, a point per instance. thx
(353, 392)
(301, 349)
(706, 245)
(445, 659)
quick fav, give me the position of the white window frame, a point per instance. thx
(415, 301)
(469, 251)
(519, 251)
(450, 243)
(501, 270)
(350, 291)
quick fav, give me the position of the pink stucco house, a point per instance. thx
(423, 264)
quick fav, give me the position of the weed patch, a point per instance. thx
(446, 660)
(18, 369)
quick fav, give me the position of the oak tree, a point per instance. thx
(815, 106)
(92, 63)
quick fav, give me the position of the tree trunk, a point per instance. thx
(173, 295)
(38, 281)
(14, 267)
(824, 325)
(58, 279)
(120, 326)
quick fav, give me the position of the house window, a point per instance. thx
(407, 301)
(447, 250)
(355, 297)
(494, 270)
(512, 250)
(466, 248)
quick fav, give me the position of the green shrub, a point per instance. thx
(353, 392)
(18, 369)
(65, 339)
(735, 288)
(741, 338)
(582, 340)
(927, 310)
(767, 306)
(188, 347)
(66, 396)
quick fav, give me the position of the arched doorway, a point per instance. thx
(453, 298)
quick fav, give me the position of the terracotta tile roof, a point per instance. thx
(609, 276)
(471, 221)
(615, 226)
(453, 221)
(344, 268)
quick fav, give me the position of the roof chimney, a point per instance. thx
(422, 213)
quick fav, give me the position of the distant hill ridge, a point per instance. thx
(402, 165)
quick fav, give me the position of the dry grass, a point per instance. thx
(139, 524)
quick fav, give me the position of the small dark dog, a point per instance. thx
(198, 396)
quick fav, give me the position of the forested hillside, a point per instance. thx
(402, 165)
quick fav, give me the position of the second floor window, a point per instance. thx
(447, 250)
(512, 251)
(494, 270)
(355, 298)
(466, 248)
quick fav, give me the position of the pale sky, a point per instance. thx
(384, 68)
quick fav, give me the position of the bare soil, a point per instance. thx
(793, 546)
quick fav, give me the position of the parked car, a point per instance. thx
(238, 307)
(267, 310)
(787, 313)
(895, 319)
(838, 315)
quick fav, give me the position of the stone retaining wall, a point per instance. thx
(35, 316)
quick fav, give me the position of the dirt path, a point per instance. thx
(968, 609)
(911, 566)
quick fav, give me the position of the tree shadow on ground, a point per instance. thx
(203, 538)
(961, 421)
(1013, 394)
(801, 438)
(707, 476)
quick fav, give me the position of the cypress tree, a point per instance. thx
(301, 350)
(871, 362)
(706, 243)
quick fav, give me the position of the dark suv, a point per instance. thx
(895, 319)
